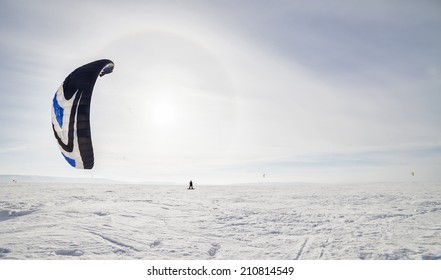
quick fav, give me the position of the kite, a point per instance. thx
(71, 113)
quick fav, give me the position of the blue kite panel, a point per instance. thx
(59, 111)
(71, 161)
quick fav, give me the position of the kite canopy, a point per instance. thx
(71, 113)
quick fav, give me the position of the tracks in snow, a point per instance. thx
(299, 253)
(115, 242)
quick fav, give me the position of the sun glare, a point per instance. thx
(164, 113)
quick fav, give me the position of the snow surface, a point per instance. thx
(274, 221)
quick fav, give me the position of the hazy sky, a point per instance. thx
(226, 91)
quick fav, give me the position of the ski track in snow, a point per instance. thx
(115, 242)
(300, 221)
(299, 254)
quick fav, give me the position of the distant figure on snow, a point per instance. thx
(190, 187)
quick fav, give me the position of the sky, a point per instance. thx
(226, 91)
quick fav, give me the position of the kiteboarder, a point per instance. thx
(190, 187)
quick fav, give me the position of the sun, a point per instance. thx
(164, 113)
